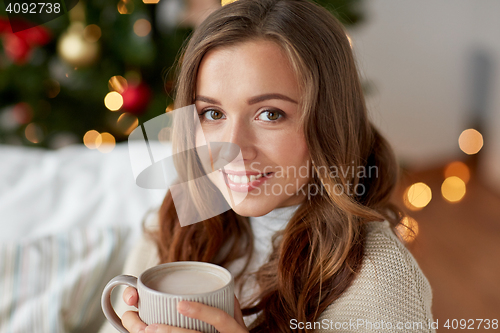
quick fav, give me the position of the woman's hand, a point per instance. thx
(222, 321)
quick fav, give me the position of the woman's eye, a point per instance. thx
(214, 114)
(270, 115)
(267, 115)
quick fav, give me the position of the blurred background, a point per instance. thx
(73, 89)
(432, 72)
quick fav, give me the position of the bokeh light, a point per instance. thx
(33, 132)
(150, 1)
(75, 49)
(7, 119)
(408, 229)
(113, 101)
(458, 169)
(417, 196)
(22, 113)
(92, 33)
(453, 189)
(52, 88)
(127, 123)
(470, 141)
(142, 27)
(108, 143)
(350, 40)
(117, 83)
(125, 7)
(92, 139)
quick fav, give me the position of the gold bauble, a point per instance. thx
(74, 49)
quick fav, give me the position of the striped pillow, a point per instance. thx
(54, 283)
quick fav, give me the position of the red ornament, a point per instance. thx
(22, 112)
(136, 98)
(18, 46)
(16, 49)
(35, 36)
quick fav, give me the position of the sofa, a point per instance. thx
(68, 217)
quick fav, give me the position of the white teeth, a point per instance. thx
(243, 179)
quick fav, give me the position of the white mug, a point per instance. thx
(160, 288)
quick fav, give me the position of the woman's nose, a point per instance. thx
(238, 137)
(229, 151)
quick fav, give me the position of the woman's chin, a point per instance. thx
(249, 207)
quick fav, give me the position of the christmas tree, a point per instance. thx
(95, 72)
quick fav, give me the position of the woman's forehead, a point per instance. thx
(248, 65)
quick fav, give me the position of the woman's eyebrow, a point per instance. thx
(265, 97)
(206, 99)
(253, 100)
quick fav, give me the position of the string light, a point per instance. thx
(408, 229)
(453, 189)
(33, 133)
(92, 139)
(417, 196)
(127, 123)
(470, 141)
(117, 83)
(92, 33)
(113, 101)
(142, 27)
(459, 169)
(108, 143)
(125, 7)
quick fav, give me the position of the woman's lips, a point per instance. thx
(253, 181)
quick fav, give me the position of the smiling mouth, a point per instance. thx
(245, 179)
(245, 183)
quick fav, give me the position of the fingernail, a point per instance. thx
(183, 306)
(130, 298)
(151, 328)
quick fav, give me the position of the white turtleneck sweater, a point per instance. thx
(390, 288)
(263, 227)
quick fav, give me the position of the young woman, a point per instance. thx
(310, 251)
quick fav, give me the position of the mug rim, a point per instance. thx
(185, 263)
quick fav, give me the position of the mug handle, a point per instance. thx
(107, 308)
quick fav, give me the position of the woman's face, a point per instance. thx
(247, 94)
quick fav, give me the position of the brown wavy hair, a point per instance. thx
(317, 256)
